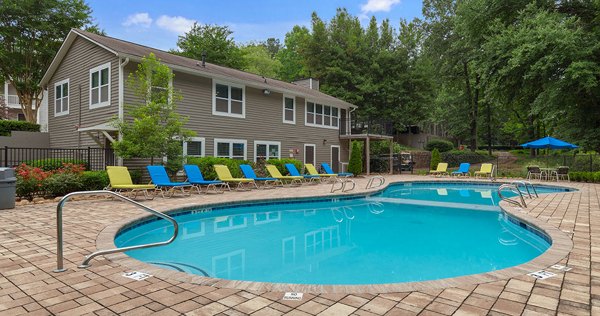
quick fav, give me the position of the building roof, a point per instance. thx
(135, 52)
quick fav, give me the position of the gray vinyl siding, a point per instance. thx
(75, 66)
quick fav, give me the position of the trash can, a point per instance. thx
(8, 187)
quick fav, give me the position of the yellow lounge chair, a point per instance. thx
(310, 168)
(486, 170)
(442, 169)
(224, 175)
(120, 181)
(274, 172)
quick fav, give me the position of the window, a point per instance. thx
(194, 147)
(230, 265)
(100, 86)
(289, 110)
(322, 115)
(21, 117)
(228, 100)
(61, 98)
(267, 150)
(230, 148)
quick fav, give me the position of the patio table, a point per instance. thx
(547, 172)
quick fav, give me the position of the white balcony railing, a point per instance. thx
(12, 100)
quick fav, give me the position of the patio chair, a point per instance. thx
(310, 168)
(274, 172)
(486, 170)
(534, 172)
(463, 170)
(224, 175)
(160, 178)
(307, 177)
(120, 181)
(194, 176)
(250, 174)
(328, 170)
(561, 172)
(442, 169)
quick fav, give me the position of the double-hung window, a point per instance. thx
(100, 86)
(322, 115)
(230, 148)
(61, 98)
(267, 150)
(194, 147)
(228, 100)
(289, 110)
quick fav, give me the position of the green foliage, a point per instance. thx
(280, 164)
(94, 180)
(31, 32)
(206, 166)
(382, 147)
(455, 157)
(215, 42)
(136, 175)
(592, 177)
(355, 165)
(6, 127)
(440, 144)
(62, 183)
(293, 65)
(157, 130)
(51, 164)
(258, 60)
(435, 159)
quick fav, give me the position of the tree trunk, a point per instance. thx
(26, 99)
(489, 127)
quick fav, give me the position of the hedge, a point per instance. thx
(440, 144)
(51, 164)
(280, 164)
(206, 166)
(455, 157)
(6, 127)
(585, 176)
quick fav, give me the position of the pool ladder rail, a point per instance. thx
(342, 182)
(86, 261)
(514, 187)
(371, 183)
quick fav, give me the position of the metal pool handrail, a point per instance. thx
(85, 263)
(372, 180)
(514, 188)
(343, 183)
(527, 184)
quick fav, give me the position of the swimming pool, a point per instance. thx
(389, 237)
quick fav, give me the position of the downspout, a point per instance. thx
(121, 114)
(79, 120)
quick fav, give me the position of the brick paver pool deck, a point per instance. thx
(28, 256)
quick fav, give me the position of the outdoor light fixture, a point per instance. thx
(266, 91)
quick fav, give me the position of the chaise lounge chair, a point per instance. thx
(250, 174)
(486, 170)
(194, 176)
(307, 177)
(328, 170)
(120, 181)
(224, 175)
(463, 170)
(442, 169)
(160, 178)
(274, 172)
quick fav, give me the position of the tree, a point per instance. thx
(355, 164)
(155, 128)
(31, 32)
(258, 61)
(215, 42)
(290, 56)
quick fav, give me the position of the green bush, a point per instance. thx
(62, 183)
(355, 165)
(6, 127)
(440, 144)
(584, 176)
(206, 166)
(280, 164)
(455, 157)
(94, 180)
(435, 159)
(51, 164)
(136, 175)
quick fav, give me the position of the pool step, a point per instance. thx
(466, 206)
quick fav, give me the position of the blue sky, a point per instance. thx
(157, 23)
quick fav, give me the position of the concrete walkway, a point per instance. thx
(28, 256)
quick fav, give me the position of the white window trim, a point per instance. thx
(230, 141)
(60, 83)
(294, 115)
(214, 99)
(319, 125)
(264, 142)
(98, 69)
(314, 153)
(195, 139)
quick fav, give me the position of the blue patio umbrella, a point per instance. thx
(549, 142)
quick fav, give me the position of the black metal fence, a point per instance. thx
(94, 158)
(366, 127)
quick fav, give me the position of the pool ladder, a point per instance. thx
(371, 182)
(86, 261)
(514, 187)
(342, 182)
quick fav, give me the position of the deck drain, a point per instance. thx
(542, 274)
(561, 267)
(292, 296)
(138, 276)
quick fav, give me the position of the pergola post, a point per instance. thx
(391, 156)
(368, 154)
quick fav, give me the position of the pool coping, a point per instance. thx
(559, 249)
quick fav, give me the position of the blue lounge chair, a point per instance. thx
(194, 176)
(250, 174)
(328, 170)
(295, 173)
(161, 180)
(463, 170)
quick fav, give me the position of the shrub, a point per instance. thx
(435, 159)
(30, 180)
(280, 164)
(51, 164)
(94, 180)
(206, 165)
(6, 127)
(455, 157)
(440, 144)
(136, 175)
(62, 183)
(355, 165)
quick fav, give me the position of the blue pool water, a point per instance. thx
(394, 236)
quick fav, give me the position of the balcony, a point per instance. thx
(378, 129)
(12, 101)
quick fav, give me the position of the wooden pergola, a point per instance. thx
(367, 138)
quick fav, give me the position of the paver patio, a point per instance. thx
(28, 256)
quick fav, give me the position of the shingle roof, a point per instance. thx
(128, 49)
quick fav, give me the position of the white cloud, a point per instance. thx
(176, 24)
(378, 5)
(142, 19)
